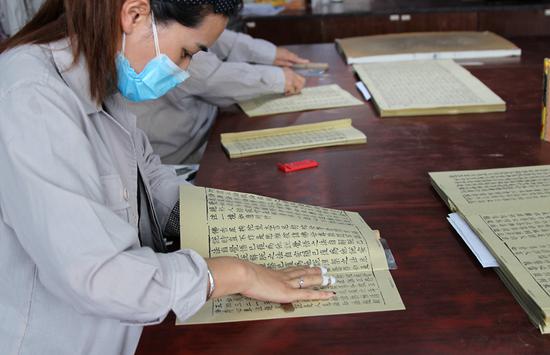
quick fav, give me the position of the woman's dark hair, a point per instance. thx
(194, 12)
(93, 26)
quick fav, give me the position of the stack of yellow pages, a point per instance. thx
(425, 45)
(280, 234)
(509, 209)
(313, 135)
(311, 98)
(545, 129)
(426, 87)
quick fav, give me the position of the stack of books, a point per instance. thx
(426, 87)
(545, 130)
(509, 210)
(297, 137)
(425, 45)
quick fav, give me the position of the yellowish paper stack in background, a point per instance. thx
(509, 210)
(425, 45)
(280, 234)
(545, 129)
(311, 98)
(426, 87)
(313, 135)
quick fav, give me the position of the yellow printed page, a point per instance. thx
(355, 293)
(424, 84)
(519, 241)
(534, 313)
(311, 98)
(495, 190)
(280, 234)
(306, 136)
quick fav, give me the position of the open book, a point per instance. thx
(425, 45)
(426, 87)
(313, 135)
(280, 234)
(509, 209)
(311, 98)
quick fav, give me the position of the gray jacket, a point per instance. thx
(14, 14)
(178, 123)
(74, 278)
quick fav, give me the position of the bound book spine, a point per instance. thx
(545, 129)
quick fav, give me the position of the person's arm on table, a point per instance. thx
(232, 275)
(223, 83)
(239, 47)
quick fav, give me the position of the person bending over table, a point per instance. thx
(85, 205)
(236, 68)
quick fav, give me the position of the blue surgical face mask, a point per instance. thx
(158, 77)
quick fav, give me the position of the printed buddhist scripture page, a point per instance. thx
(520, 241)
(426, 87)
(509, 209)
(280, 234)
(495, 190)
(313, 135)
(311, 98)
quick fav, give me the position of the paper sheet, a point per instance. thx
(281, 234)
(499, 190)
(425, 45)
(426, 87)
(311, 98)
(323, 134)
(363, 89)
(509, 209)
(473, 242)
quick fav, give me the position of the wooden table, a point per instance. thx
(453, 305)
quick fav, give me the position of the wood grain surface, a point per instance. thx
(453, 305)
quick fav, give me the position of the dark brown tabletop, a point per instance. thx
(453, 304)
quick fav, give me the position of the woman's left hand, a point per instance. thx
(286, 58)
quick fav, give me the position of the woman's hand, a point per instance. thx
(286, 58)
(294, 83)
(233, 276)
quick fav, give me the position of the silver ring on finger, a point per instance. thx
(301, 282)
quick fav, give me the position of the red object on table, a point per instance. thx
(297, 165)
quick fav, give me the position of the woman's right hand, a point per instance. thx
(232, 276)
(294, 83)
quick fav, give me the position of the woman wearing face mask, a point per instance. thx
(84, 205)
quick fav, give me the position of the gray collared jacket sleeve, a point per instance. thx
(225, 83)
(224, 75)
(239, 47)
(14, 14)
(54, 200)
